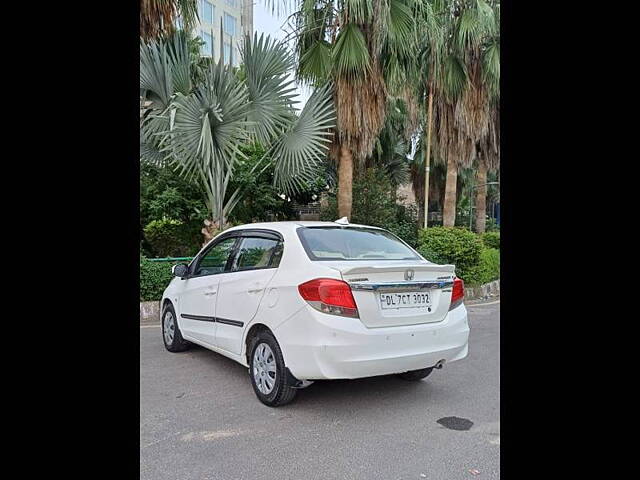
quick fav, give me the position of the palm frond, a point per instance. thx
(165, 69)
(271, 93)
(315, 63)
(455, 77)
(358, 11)
(491, 68)
(301, 150)
(350, 53)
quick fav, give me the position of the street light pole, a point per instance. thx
(427, 161)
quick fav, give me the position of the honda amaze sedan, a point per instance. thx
(301, 301)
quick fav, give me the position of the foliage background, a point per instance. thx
(375, 204)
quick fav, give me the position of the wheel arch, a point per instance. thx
(251, 333)
(166, 301)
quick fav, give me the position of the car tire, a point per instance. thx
(415, 375)
(171, 335)
(266, 359)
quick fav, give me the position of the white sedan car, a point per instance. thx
(301, 301)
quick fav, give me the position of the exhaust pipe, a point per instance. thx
(439, 364)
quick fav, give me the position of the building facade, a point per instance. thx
(223, 25)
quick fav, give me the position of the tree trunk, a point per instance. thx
(345, 182)
(481, 198)
(449, 213)
(209, 231)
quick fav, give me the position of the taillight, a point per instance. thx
(457, 294)
(329, 296)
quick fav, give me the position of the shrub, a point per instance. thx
(491, 239)
(487, 270)
(373, 200)
(492, 225)
(154, 278)
(172, 238)
(166, 194)
(452, 245)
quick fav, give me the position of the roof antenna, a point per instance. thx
(342, 221)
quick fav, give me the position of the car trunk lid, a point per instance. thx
(397, 293)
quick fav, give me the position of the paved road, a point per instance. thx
(199, 419)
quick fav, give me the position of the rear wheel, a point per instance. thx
(267, 371)
(171, 335)
(415, 375)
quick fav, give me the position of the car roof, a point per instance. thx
(289, 225)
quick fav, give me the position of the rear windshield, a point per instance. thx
(337, 243)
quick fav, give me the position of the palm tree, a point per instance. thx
(488, 160)
(393, 144)
(366, 49)
(489, 145)
(475, 32)
(158, 17)
(458, 34)
(200, 125)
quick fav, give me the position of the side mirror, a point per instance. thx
(180, 270)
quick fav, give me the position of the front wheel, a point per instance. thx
(267, 371)
(415, 375)
(171, 335)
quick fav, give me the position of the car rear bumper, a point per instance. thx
(318, 346)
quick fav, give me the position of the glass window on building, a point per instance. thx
(207, 11)
(207, 48)
(229, 24)
(227, 52)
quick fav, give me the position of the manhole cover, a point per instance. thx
(455, 423)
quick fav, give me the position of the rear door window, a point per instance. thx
(255, 253)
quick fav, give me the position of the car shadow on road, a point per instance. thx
(357, 393)
(330, 395)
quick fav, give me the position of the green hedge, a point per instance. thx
(456, 246)
(173, 238)
(154, 278)
(487, 270)
(491, 239)
(475, 263)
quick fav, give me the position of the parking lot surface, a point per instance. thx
(199, 419)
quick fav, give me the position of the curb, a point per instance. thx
(150, 312)
(483, 292)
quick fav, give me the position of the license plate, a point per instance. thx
(405, 300)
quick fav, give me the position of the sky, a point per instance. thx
(265, 22)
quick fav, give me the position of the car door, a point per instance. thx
(197, 303)
(241, 289)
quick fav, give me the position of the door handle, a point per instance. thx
(210, 292)
(255, 290)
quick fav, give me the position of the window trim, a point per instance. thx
(213, 41)
(238, 235)
(213, 12)
(279, 245)
(314, 258)
(235, 24)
